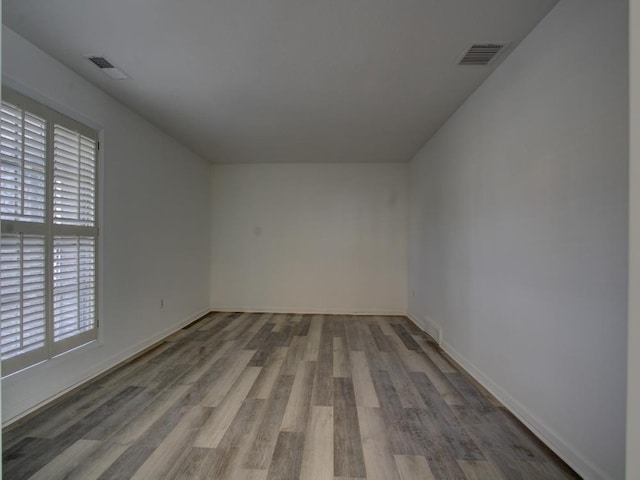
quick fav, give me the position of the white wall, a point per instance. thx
(155, 230)
(309, 238)
(633, 364)
(518, 233)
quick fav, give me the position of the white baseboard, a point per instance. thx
(111, 362)
(429, 326)
(308, 310)
(546, 434)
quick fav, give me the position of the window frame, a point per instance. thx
(50, 230)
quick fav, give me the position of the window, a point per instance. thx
(48, 246)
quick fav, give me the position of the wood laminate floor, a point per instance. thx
(274, 396)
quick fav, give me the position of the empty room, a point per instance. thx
(318, 240)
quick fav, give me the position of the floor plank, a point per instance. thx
(211, 432)
(63, 464)
(236, 443)
(287, 457)
(224, 382)
(413, 467)
(297, 411)
(322, 394)
(362, 383)
(94, 464)
(379, 461)
(171, 449)
(341, 366)
(348, 459)
(480, 470)
(263, 385)
(194, 464)
(317, 458)
(264, 442)
(313, 342)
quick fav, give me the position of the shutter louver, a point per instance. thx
(73, 286)
(22, 288)
(74, 177)
(22, 167)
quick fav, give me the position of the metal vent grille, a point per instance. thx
(101, 62)
(106, 67)
(481, 54)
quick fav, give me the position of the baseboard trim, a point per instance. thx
(309, 310)
(106, 366)
(431, 328)
(551, 439)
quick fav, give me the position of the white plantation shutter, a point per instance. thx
(74, 242)
(22, 174)
(22, 288)
(74, 177)
(73, 286)
(48, 192)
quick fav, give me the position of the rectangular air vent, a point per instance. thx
(481, 53)
(101, 62)
(107, 67)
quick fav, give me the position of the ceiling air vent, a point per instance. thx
(481, 53)
(107, 67)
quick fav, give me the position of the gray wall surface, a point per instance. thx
(309, 238)
(633, 379)
(518, 233)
